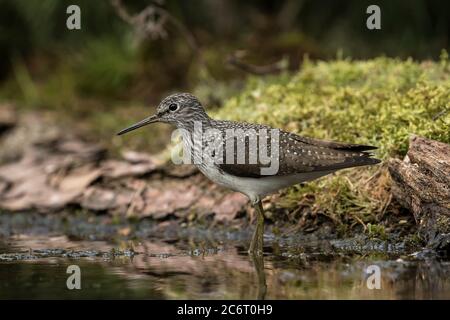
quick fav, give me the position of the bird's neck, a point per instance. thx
(198, 122)
(192, 131)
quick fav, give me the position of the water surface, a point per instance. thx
(35, 267)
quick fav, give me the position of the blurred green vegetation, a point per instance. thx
(269, 30)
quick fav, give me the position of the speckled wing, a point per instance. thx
(299, 154)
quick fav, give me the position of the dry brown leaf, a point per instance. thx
(229, 206)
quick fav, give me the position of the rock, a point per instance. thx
(421, 183)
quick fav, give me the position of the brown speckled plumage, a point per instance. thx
(297, 155)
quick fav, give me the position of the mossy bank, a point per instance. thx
(379, 102)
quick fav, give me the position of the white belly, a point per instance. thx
(256, 188)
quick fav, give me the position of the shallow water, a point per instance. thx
(35, 267)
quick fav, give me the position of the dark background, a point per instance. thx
(266, 29)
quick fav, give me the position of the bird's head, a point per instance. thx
(180, 109)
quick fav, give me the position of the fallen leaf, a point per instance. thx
(125, 232)
(229, 206)
(119, 169)
(79, 179)
(159, 203)
(138, 157)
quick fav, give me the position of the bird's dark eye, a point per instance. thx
(173, 107)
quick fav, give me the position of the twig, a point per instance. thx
(136, 194)
(386, 205)
(360, 221)
(151, 22)
(440, 114)
(235, 60)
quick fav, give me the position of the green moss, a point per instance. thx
(379, 102)
(376, 231)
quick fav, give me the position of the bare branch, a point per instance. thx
(441, 113)
(235, 60)
(151, 21)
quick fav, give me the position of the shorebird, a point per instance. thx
(296, 159)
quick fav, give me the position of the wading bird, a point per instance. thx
(298, 159)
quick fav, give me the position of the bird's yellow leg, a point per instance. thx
(258, 262)
(256, 245)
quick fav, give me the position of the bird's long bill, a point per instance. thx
(141, 123)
